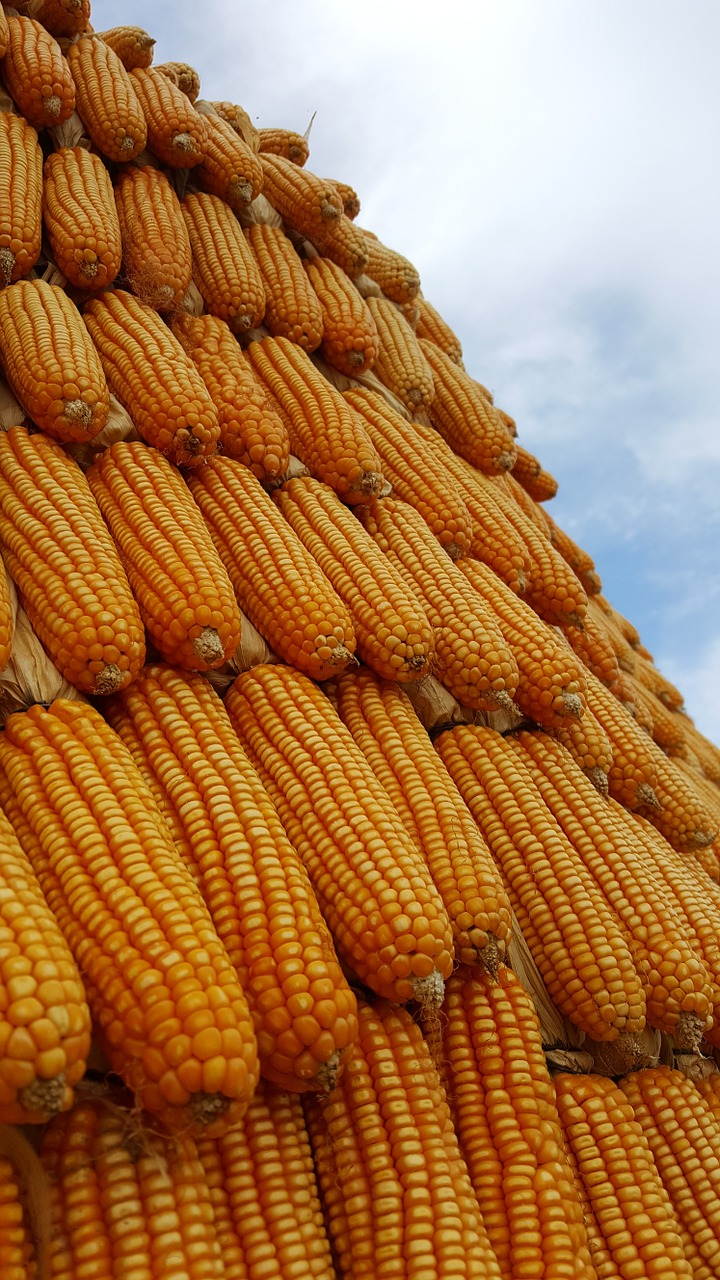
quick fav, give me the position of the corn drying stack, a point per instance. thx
(360, 876)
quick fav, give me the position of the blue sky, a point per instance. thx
(552, 170)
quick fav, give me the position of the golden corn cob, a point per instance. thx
(106, 99)
(573, 934)
(533, 477)
(284, 142)
(384, 725)
(707, 753)
(251, 430)
(60, 553)
(176, 133)
(709, 1089)
(532, 509)
(224, 269)
(680, 816)
(397, 277)
(413, 472)
(156, 247)
(304, 201)
(465, 420)
(292, 308)
(50, 363)
(623, 650)
(19, 1251)
(349, 333)
(61, 17)
(653, 680)
(37, 75)
(277, 582)
(7, 622)
(592, 645)
(325, 433)
(589, 746)
(240, 121)
(666, 727)
(4, 34)
(580, 561)
(21, 169)
(401, 363)
(633, 773)
(133, 46)
(81, 218)
(398, 940)
(350, 198)
(184, 76)
(167, 1005)
(432, 327)
(153, 378)
(397, 1193)
(393, 632)
(343, 243)
(471, 656)
(229, 168)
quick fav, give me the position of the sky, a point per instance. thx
(552, 171)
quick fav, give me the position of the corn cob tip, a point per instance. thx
(7, 264)
(504, 461)
(688, 1033)
(371, 483)
(489, 956)
(599, 779)
(342, 658)
(645, 795)
(502, 701)
(572, 705)
(207, 1107)
(208, 646)
(430, 991)
(109, 680)
(328, 1072)
(44, 1097)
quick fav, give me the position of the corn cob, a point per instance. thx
(589, 746)
(343, 243)
(413, 473)
(471, 657)
(385, 727)
(509, 1130)
(593, 647)
(156, 247)
(59, 552)
(303, 200)
(349, 334)
(666, 727)
(240, 121)
(397, 277)
(153, 378)
(655, 682)
(166, 1002)
(176, 133)
(709, 1089)
(36, 74)
(286, 143)
(265, 1163)
(532, 509)
(18, 1249)
(4, 34)
(397, 1193)
(433, 328)
(250, 428)
(133, 46)
(251, 878)
(229, 167)
(350, 198)
(60, 17)
(80, 217)
(185, 597)
(624, 652)
(530, 473)
(7, 622)
(184, 76)
(580, 561)
(680, 816)
(469, 423)
(374, 889)
(325, 433)
(292, 308)
(224, 269)
(401, 363)
(21, 166)
(575, 938)
(106, 99)
(633, 773)
(393, 633)
(705, 751)
(277, 582)
(50, 363)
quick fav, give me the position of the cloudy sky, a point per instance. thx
(552, 170)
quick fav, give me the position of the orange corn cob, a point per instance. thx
(374, 888)
(623, 689)
(532, 509)
(581, 562)
(707, 753)
(433, 328)
(401, 363)
(7, 623)
(349, 333)
(633, 773)
(593, 647)
(21, 167)
(655, 682)
(284, 142)
(292, 308)
(167, 1005)
(509, 1130)
(18, 1249)
(229, 167)
(277, 582)
(60, 17)
(304, 201)
(240, 121)
(398, 1198)
(385, 727)
(50, 363)
(349, 197)
(684, 1140)
(133, 45)
(343, 243)
(471, 658)
(4, 34)
(81, 218)
(394, 635)
(125, 1201)
(224, 268)
(709, 1089)
(637, 1228)
(36, 74)
(666, 727)
(530, 473)
(153, 378)
(185, 597)
(60, 553)
(250, 428)
(468, 422)
(325, 433)
(156, 247)
(623, 650)
(176, 133)
(184, 76)
(413, 472)
(631, 634)
(397, 277)
(106, 99)
(254, 884)
(589, 746)
(573, 934)
(680, 816)
(266, 1162)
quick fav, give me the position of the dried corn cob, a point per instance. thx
(50, 363)
(156, 247)
(680, 816)
(61, 17)
(343, 243)
(530, 473)
(401, 363)
(292, 308)
(21, 167)
(303, 200)
(20, 1251)
(184, 76)
(710, 1092)
(153, 377)
(653, 680)
(469, 423)
(397, 277)
(433, 328)
(229, 167)
(36, 74)
(581, 562)
(284, 142)
(349, 334)
(350, 198)
(224, 269)
(532, 509)
(240, 121)
(7, 621)
(325, 433)
(106, 99)
(593, 647)
(277, 582)
(176, 133)
(81, 218)
(166, 1002)
(398, 939)
(4, 34)
(633, 773)
(133, 45)
(589, 746)
(666, 727)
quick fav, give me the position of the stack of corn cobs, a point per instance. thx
(339, 807)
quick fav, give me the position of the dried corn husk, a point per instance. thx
(30, 676)
(252, 651)
(629, 1053)
(435, 707)
(558, 1033)
(119, 426)
(32, 1179)
(696, 1067)
(12, 413)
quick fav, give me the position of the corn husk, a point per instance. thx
(71, 133)
(119, 426)
(259, 210)
(16, 1147)
(12, 413)
(193, 300)
(557, 1031)
(629, 1053)
(695, 1067)
(252, 651)
(435, 707)
(30, 676)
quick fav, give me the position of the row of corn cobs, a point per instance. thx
(242, 895)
